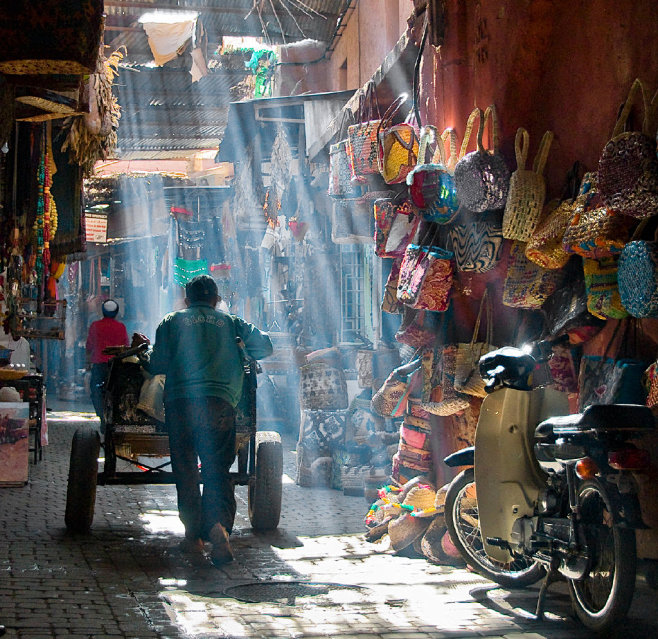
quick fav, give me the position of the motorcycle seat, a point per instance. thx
(608, 417)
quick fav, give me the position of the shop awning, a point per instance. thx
(260, 117)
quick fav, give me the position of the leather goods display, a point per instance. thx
(628, 167)
(565, 311)
(477, 241)
(527, 188)
(482, 177)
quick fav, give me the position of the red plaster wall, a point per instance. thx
(564, 65)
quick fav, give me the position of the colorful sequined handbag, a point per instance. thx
(482, 177)
(628, 167)
(431, 185)
(527, 189)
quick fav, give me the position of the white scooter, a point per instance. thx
(555, 491)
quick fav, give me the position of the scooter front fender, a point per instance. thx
(507, 474)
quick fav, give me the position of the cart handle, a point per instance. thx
(137, 350)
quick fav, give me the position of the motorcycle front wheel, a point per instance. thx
(461, 513)
(602, 598)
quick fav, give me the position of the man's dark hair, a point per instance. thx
(201, 288)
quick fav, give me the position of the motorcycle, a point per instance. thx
(550, 494)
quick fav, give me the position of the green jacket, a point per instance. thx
(196, 349)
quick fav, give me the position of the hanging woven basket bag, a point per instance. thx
(482, 177)
(628, 167)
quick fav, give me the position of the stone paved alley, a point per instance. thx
(315, 577)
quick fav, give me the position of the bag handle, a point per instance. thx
(348, 116)
(416, 84)
(451, 160)
(387, 118)
(485, 304)
(491, 116)
(427, 137)
(368, 103)
(475, 113)
(636, 87)
(521, 146)
(542, 153)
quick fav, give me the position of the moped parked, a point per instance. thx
(555, 491)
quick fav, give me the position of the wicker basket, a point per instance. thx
(527, 189)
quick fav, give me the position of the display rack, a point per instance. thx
(41, 319)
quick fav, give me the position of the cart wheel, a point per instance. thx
(83, 475)
(265, 489)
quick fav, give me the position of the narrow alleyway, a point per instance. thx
(315, 577)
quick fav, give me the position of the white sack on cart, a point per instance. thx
(151, 396)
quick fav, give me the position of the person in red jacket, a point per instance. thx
(103, 333)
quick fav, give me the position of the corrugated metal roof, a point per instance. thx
(279, 20)
(163, 110)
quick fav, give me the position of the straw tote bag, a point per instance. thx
(482, 177)
(595, 230)
(628, 167)
(363, 149)
(545, 245)
(467, 374)
(340, 169)
(397, 144)
(527, 189)
(528, 285)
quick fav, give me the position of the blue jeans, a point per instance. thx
(202, 428)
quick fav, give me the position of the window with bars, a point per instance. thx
(352, 302)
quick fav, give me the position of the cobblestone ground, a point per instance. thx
(315, 577)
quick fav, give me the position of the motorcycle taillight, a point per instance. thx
(629, 459)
